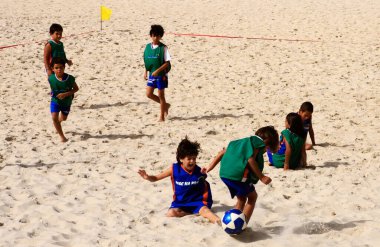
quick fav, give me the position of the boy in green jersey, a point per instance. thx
(242, 164)
(54, 48)
(63, 87)
(157, 63)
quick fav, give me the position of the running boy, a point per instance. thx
(54, 48)
(306, 113)
(63, 87)
(157, 63)
(242, 164)
(192, 193)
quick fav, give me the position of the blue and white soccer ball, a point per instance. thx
(233, 221)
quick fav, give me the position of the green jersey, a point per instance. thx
(234, 164)
(57, 50)
(57, 86)
(296, 143)
(154, 58)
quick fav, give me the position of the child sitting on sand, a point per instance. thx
(291, 154)
(242, 164)
(63, 87)
(157, 63)
(54, 48)
(192, 193)
(306, 113)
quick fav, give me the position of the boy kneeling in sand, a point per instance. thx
(63, 87)
(192, 193)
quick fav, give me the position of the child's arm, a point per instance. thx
(303, 157)
(47, 54)
(255, 168)
(311, 133)
(162, 68)
(288, 153)
(145, 75)
(154, 178)
(215, 161)
(71, 92)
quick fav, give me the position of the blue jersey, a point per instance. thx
(306, 125)
(190, 189)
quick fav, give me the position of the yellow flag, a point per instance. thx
(105, 13)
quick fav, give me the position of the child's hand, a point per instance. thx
(155, 73)
(69, 62)
(265, 180)
(204, 170)
(145, 75)
(61, 96)
(143, 174)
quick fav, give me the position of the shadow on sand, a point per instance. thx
(210, 117)
(100, 106)
(86, 136)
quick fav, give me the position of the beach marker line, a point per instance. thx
(241, 37)
(42, 41)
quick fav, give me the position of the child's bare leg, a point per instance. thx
(208, 214)
(57, 125)
(241, 200)
(150, 95)
(250, 206)
(176, 212)
(163, 105)
(62, 117)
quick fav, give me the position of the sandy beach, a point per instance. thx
(87, 192)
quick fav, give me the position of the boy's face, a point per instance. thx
(59, 69)
(305, 115)
(56, 36)
(189, 162)
(155, 39)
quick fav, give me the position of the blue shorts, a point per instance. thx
(190, 209)
(238, 188)
(54, 107)
(159, 82)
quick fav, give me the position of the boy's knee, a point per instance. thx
(252, 197)
(149, 95)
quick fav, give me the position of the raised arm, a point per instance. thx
(255, 168)
(154, 178)
(214, 162)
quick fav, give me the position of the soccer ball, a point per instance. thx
(233, 221)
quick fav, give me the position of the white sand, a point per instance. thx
(87, 192)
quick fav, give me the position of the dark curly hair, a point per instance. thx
(270, 136)
(295, 124)
(187, 148)
(156, 30)
(307, 106)
(55, 28)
